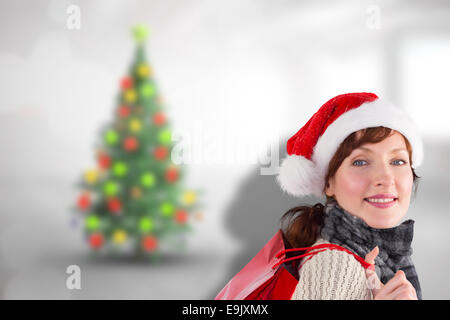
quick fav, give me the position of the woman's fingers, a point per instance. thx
(370, 257)
(396, 281)
(373, 282)
(406, 293)
(399, 288)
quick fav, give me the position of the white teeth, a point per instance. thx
(380, 200)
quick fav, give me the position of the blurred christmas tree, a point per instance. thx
(133, 201)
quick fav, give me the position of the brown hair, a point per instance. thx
(305, 221)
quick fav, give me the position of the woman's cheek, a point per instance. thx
(405, 183)
(355, 184)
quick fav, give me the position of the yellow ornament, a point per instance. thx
(119, 236)
(189, 197)
(130, 95)
(91, 176)
(143, 70)
(135, 125)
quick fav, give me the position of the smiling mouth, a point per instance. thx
(382, 203)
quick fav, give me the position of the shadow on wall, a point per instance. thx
(253, 216)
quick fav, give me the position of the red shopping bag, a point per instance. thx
(273, 273)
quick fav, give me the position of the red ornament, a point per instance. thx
(124, 111)
(181, 216)
(149, 243)
(84, 201)
(171, 174)
(104, 161)
(96, 240)
(160, 153)
(159, 118)
(130, 144)
(126, 83)
(114, 205)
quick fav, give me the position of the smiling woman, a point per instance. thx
(360, 152)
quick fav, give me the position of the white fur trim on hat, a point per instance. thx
(298, 176)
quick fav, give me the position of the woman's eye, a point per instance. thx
(401, 161)
(358, 162)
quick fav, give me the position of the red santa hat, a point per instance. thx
(310, 150)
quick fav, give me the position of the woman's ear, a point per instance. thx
(329, 189)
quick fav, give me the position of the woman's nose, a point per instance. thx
(383, 176)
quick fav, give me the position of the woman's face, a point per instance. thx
(374, 169)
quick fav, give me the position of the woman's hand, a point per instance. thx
(398, 288)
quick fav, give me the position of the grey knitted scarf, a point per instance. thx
(344, 229)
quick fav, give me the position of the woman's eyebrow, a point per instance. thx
(392, 150)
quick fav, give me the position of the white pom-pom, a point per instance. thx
(298, 176)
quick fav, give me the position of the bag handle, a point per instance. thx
(324, 247)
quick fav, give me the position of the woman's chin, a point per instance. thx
(382, 218)
(379, 222)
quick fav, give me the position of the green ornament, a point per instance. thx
(120, 169)
(111, 137)
(146, 224)
(92, 222)
(140, 33)
(148, 180)
(167, 209)
(147, 90)
(165, 137)
(110, 188)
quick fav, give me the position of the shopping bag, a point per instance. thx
(273, 273)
